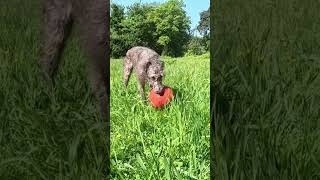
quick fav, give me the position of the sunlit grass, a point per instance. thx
(266, 86)
(169, 143)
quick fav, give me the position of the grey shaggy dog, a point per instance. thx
(93, 19)
(148, 68)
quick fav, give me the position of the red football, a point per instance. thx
(160, 100)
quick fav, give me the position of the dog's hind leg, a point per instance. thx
(57, 26)
(127, 70)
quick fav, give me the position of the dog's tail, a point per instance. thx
(127, 69)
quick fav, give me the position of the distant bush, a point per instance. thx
(196, 46)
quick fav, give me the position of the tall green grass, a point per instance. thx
(172, 143)
(266, 89)
(43, 134)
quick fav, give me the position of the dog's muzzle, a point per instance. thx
(158, 88)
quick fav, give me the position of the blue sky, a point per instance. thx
(193, 7)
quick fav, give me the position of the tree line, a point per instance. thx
(164, 27)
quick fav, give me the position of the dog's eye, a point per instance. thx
(153, 78)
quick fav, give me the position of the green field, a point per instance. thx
(44, 135)
(266, 62)
(172, 143)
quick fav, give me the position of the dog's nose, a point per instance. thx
(159, 90)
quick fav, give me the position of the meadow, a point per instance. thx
(44, 134)
(172, 143)
(265, 61)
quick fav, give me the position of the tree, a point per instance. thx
(138, 28)
(117, 16)
(196, 46)
(204, 23)
(131, 28)
(116, 19)
(162, 27)
(204, 28)
(172, 26)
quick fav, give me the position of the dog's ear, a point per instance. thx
(147, 66)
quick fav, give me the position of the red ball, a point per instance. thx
(160, 100)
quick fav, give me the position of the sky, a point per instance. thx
(193, 7)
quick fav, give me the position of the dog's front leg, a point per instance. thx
(141, 85)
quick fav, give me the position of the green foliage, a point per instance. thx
(117, 17)
(135, 29)
(200, 44)
(196, 46)
(172, 26)
(204, 23)
(161, 27)
(172, 143)
(266, 89)
(117, 42)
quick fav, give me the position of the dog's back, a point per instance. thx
(142, 55)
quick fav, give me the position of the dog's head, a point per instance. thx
(155, 73)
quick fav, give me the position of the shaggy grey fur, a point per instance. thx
(148, 67)
(92, 17)
(93, 20)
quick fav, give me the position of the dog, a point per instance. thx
(93, 19)
(148, 67)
